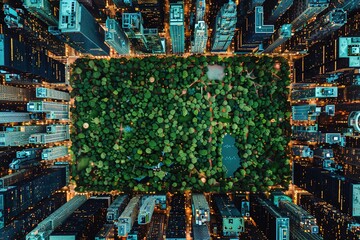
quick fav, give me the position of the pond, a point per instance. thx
(230, 157)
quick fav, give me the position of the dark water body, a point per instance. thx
(230, 157)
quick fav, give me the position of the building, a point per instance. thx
(116, 208)
(343, 120)
(47, 107)
(18, 135)
(232, 223)
(302, 151)
(279, 9)
(326, 57)
(61, 134)
(22, 195)
(330, 22)
(106, 232)
(85, 222)
(200, 209)
(177, 221)
(144, 40)
(152, 12)
(348, 6)
(48, 225)
(349, 47)
(200, 232)
(116, 38)
(13, 117)
(282, 35)
(22, 23)
(128, 217)
(200, 37)
(177, 28)
(270, 221)
(49, 93)
(54, 153)
(301, 222)
(26, 220)
(15, 94)
(16, 56)
(336, 189)
(242, 203)
(146, 210)
(307, 9)
(334, 225)
(224, 28)
(305, 112)
(43, 10)
(76, 22)
(314, 92)
(200, 10)
(26, 158)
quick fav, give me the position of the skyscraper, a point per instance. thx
(284, 33)
(307, 9)
(224, 29)
(86, 221)
(330, 22)
(177, 28)
(16, 56)
(314, 92)
(349, 47)
(26, 220)
(116, 38)
(46, 227)
(280, 8)
(200, 37)
(200, 10)
(18, 197)
(18, 135)
(80, 26)
(15, 94)
(43, 10)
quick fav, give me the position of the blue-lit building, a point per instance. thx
(282, 35)
(177, 28)
(305, 112)
(349, 47)
(79, 25)
(43, 10)
(200, 37)
(200, 10)
(116, 38)
(224, 28)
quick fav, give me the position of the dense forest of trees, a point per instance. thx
(157, 124)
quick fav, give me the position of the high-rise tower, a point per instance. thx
(116, 37)
(224, 29)
(79, 25)
(200, 37)
(177, 29)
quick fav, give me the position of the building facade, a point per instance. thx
(177, 28)
(224, 28)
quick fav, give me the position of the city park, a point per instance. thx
(159, 124)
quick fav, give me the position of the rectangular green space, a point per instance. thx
(157, 124)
